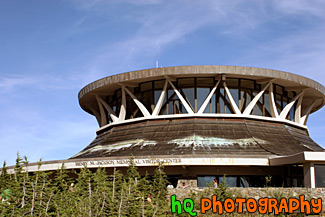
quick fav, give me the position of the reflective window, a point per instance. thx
(230, 181)
(195, 90)
(202, 94)
(205, 181)
(320, 175)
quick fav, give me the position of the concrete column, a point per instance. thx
(309, 175)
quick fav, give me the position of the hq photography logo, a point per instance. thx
(261, 206)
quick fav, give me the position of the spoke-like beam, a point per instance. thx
(142, 108)
(160, 100)
(207, 100)
(232, 101)
(122, 114)
(103, 118)
(108, 108)
(298, 110)
(185, 104)
(286, 109)
(303, 119)
(251, 105)
(274, 111)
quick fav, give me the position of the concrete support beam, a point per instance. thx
(304, 117)
(309, 175)
(207, 100)
(251, 105)
(286, 109)
(161, 100)
(185, 104)
(274, 111)
(122, 114)
(142, 108)
(231, 99)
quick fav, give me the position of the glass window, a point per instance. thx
(205, 181)
(245, 99)
(320, 175)
(189, 95)
(278, 102)
(147, 100)
(235, 95)
(221, 101)
(196, 90)
(202, 94)
(244, 181)
(157, 94)
(258, 108)
(267, 104)
(230, 181)
(131, 108)
(224, 106)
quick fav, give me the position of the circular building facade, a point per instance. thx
(205, 122)
(206, 119)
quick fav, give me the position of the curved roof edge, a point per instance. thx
(201, 69)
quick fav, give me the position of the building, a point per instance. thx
(204, 122)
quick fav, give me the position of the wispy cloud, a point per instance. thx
(9, 83)
(160, 29)
(300, 7)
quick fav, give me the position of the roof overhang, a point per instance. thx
(142, 162)
(300, 158)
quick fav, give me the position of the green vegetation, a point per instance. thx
(90, 193)
(97, 193)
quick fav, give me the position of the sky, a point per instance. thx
(49, 50)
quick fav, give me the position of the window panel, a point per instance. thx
(244, 181)
(147, 100)
(320, 176)
(202, 94)
(221, 102)
(189, 95)
(205, 181)
(278, 103)
(231, 181)
(258, 108)
(235, 95)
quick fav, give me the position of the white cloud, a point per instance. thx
(9, 83)
(301, 7)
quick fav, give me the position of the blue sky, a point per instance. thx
(50, 49)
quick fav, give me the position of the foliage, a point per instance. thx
(222, 191)
(89, 193)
